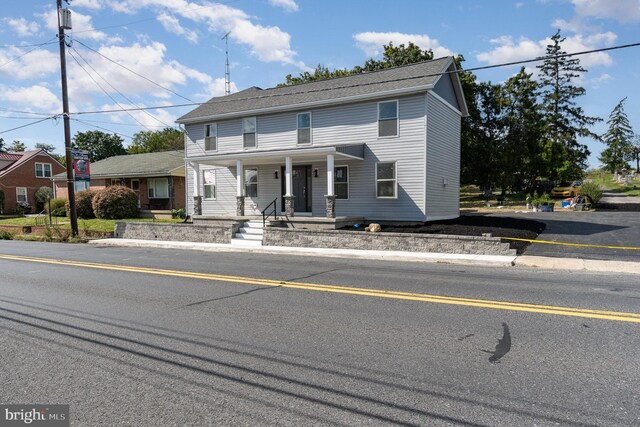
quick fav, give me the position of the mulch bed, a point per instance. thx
(477, 225)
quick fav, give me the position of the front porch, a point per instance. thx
(297, 185)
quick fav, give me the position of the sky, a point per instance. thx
(126, 54)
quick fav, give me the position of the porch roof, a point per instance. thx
(266, 157)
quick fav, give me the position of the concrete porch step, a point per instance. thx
(252, 230)
(255, 224)
(244, 242)
(241, 236)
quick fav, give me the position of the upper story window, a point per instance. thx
(251, 182)
(388, 118)
(249, 132)
(43, 170)
(158, 188)
(341, 182)
(304, 128)
(386, 182)
(211, 137)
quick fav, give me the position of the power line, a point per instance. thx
(125, 124)
(131, 71)
(28, 45)
(114, 88)
(28, 52)
(102, 128)
(30, 124)
(105, 92)
(219, 100)
(24, 112)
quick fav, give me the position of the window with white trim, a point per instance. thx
(249, 132)
(304, 128)
(211, 137)
(209, 183)
(21, 194)
(158, 188)
(386, 181)
(251, 182)
(43, 170)
(341, 182)
(388, 118)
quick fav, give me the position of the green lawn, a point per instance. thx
(96, 225)
(605, 180)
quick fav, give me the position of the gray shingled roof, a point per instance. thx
(404, 77)
(131, 165)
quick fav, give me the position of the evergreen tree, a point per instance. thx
(633, 152)
(2, 148)
(565, 120)
(617, 139)
(17, 147)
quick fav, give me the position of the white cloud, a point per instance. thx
(36, 96)
(596, 82)
(289, 5)
(21, 27)
(267, 43)
(624, 11)
(35, 64)
(508, 50)
(519, 5)
(372, 42)
(82, 25)
(172, 25)
(88, 4)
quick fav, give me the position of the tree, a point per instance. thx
(392, 56)
(617, 139)
(522, 150)
(2, 149)
(49, 148)
(100, 145)
(565, 121)
(166, 139)
(17, 147)
(633, 152)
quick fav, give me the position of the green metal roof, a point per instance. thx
(163, 163)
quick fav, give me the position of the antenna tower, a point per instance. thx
(227, 75)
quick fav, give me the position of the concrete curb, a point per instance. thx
(578, 264)
(465, 259)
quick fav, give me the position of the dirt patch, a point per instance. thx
(477, 225)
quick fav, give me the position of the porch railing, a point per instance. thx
(271, 208)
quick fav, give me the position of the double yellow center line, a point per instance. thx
(378, 293)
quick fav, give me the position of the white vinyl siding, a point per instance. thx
(43, 170)
(443, 161)
(211, 137)
(209, 184)
(249, 134)
(21, 194)
(158, 188)
(304, 128)
(388, 118)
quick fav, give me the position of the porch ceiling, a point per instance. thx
(267, 157)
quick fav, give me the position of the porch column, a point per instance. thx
(239, 188)
(288, 183)
(330, 196)
(197, 198)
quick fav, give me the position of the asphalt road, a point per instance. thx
(589, 228)
(312, 341)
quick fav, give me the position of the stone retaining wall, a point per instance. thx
(411, 242)
(175, 232)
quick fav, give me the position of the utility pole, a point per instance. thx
(67, 126)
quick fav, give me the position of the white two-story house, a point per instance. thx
(382, 145)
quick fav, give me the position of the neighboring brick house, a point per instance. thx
(157, 178)
(21, 174)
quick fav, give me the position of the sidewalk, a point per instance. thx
(525, 261)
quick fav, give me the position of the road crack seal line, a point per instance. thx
(380, 293)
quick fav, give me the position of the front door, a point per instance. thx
(301, 187)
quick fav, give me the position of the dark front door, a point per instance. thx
(301, 187)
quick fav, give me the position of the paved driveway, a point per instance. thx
(591, 228)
